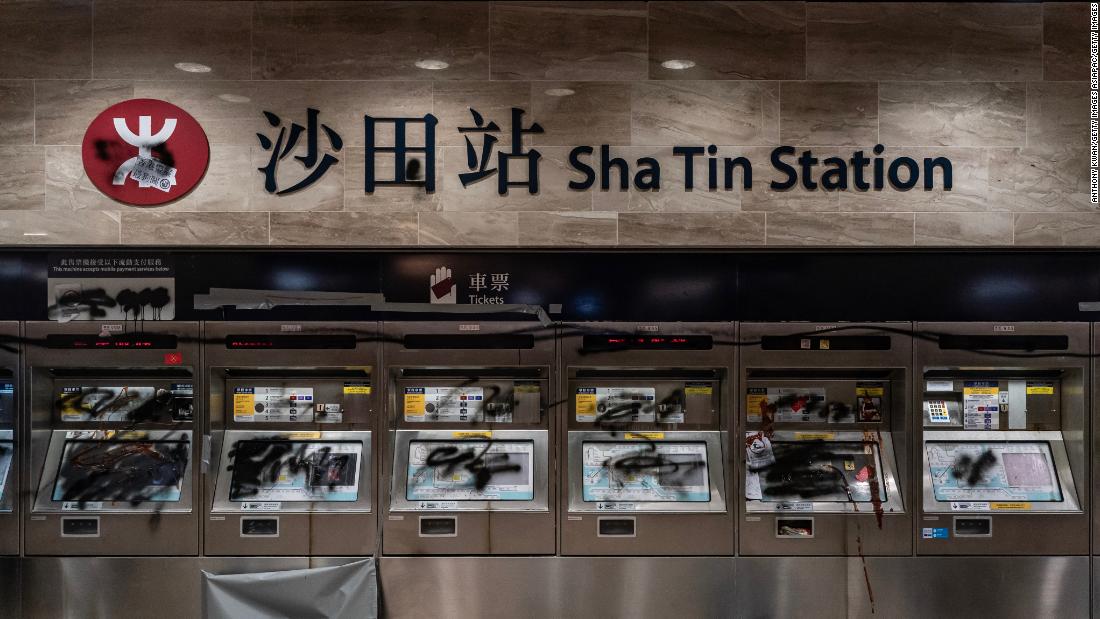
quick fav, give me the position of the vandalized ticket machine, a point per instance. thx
(292, 421)
(825, 427)
(113, 438)
(468, 455)
(9, 440)
(645, 429)
(1004, 416)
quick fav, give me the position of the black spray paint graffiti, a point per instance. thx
(671, 471)
(811, 470)
(478, 463)
(260, 464)
(611, 417)
(971, 470)
(134, 404)
(129, 471)
(95, 302)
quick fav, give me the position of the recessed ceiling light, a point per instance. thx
(431, 64)
(678, 65)
(560, 92)
(231, 98)
(192, 67)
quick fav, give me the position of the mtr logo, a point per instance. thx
(145, 152)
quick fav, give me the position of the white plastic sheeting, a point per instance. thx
(349, 590)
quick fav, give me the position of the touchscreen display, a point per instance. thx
(290, 471)
(470, 471)
(1008, 471)
(133, 471)
(824, 471)
(646, 472)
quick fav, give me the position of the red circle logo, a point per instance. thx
(145, 152)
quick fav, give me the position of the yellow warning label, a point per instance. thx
(755, 404)
(132, 435)
(302, 435)
(414, 404)
(814, 436)
(358, 390)
(526, 389)
(980, 390)
(244, 404)
(823, 344)
(586, 405)
(849, 465)
(1010, 506)
(644, 436)
(869, 391)
(700, 390)
(472, 434)
(1040, 389)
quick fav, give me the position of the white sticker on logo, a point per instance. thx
(149, 172)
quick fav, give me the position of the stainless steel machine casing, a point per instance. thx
(330, 368)
(1040, 374)
(844, 366)
(685, 371)
(474, 397)
(99, 354)
(11, 439)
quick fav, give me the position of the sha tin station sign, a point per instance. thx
(147, 152)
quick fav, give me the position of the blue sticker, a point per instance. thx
(934, 533)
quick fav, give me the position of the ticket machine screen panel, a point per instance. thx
(646, 472)
(7, 450)
(1004, 471)
(7, 404)
(295, 471)
(470, 471)
(131, 471)
(820, 471)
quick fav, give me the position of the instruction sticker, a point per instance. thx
(969, 506)
(261, 506)
(617, 404)
(934, 533)
(462, 404)
(756, 402)
(868, 402)
(981, 405)
(1040, 388)
(273, 404)
(791, 404)
(357, 388)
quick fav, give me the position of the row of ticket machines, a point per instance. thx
(506, 438)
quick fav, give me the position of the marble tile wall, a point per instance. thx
(1000, 88)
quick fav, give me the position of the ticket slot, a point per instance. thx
(973, 526)
(438, 526)
(794, 528)
(616, 527)
(260, 527)
(80, 527)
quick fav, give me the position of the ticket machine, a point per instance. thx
(1002, 440)
(469, 457)
(292, 426)
(9, 435)
(646, 467)
(114, 450)
(824, 414)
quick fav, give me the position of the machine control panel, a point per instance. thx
(992, 403)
